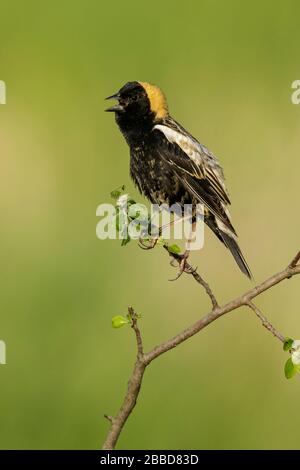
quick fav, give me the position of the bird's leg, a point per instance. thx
(150, 242)
(184, 267)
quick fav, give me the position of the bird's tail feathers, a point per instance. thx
(233, 246)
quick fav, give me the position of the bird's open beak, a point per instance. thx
(117, 107)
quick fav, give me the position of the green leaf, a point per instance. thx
(116, 193)
(174, 249)
(290, 369)
(130, 202)
(138, 211)
(125, 241)
(117, 217)
(288, 342)
(119, 321)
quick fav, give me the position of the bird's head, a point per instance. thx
(137, 100)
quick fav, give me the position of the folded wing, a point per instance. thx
(197, 168)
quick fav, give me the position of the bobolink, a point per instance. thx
(169, 165)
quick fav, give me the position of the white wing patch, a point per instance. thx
(203, 163)
(188, 145)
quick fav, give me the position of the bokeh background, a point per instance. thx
(227, 69)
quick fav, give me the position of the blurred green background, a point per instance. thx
(227, 69)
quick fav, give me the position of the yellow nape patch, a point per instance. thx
(158, 102)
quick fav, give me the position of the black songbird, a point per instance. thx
(169, 165)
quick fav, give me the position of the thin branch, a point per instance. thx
(295, 260)
(219, 311)
(190, 270)
(144, 359)
(129, 403)
(109, 418)
(134, 325)
(206, 286)
(133, 388)
(265, 322)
